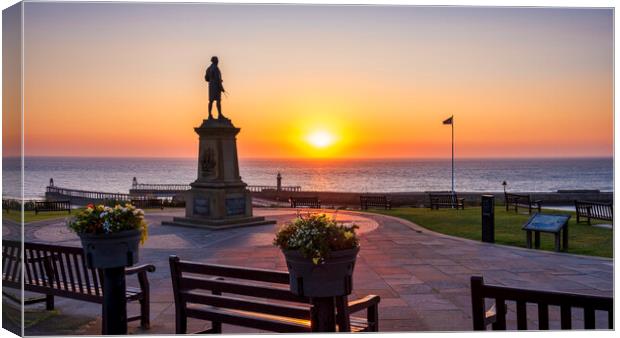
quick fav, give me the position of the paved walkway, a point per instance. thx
(421, 276)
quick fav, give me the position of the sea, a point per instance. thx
(351, 175)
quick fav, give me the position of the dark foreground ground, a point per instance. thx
(421, 276)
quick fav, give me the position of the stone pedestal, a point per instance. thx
(218, 199)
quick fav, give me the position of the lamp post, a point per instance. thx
(504, 184)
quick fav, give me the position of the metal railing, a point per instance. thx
(85, 194)
(260, 188)
(160, 187)
(155, 188)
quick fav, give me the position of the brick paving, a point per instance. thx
(421, 276)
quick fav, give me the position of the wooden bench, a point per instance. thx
(375, 201)
(446, 200)
(254, 298)
(148, 203)
(543, 299)
(40, 206)
(55, 270)
(594, 210)
(307, 202)
(518, 200)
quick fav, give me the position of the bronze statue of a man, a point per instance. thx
(216, 88)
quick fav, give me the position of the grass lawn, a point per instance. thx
(29, 216)
(583, 238)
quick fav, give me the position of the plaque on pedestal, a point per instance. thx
(218, 198)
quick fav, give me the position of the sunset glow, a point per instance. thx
(326, 81)
(321, 139)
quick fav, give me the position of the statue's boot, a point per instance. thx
(222, 117)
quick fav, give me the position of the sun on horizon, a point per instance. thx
(320, 139)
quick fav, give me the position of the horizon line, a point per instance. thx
(327, 158)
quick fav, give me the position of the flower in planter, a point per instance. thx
(315, 236)
(99, 219)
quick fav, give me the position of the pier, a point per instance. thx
(171, 190)
(80, 197)
(142, 191)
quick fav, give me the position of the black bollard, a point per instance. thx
(488, 218)
(114, 304)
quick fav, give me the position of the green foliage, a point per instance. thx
(315, 236)
(583, 239)
(104, 220)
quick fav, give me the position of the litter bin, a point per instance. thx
(488, 218)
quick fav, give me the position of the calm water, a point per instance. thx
(115, 174)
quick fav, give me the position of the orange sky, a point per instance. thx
(127, 79)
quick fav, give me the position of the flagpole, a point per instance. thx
(452, 154)
(450, 121)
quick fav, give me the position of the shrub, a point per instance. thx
(315, 236)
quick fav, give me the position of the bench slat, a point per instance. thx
(235, 272)
(588, 318)
(248, 305)
(543, 316)
(78, 272)
(247, 319)
(188, 283)
(95, 279)
(500, 314)
(41, 273)
(565, 317)
(16, 273)
(521, 316)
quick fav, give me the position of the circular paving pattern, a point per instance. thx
(57, 230)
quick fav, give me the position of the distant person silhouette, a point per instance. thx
(214, 77)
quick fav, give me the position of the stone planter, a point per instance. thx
(114, 250)
(334, 277)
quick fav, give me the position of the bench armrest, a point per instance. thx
(363, 303)
(140, 268)
(143, 279)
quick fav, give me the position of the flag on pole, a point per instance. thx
(448, 121)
